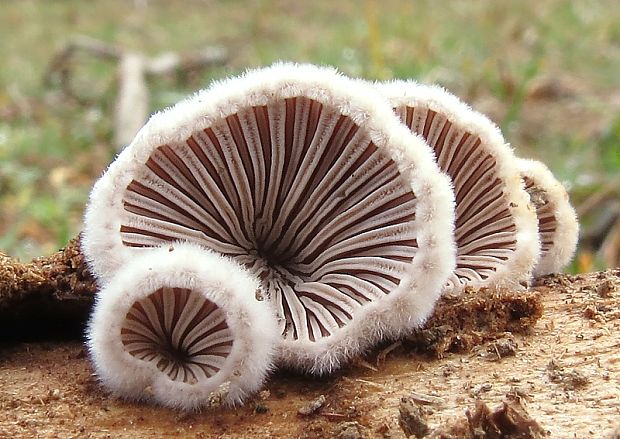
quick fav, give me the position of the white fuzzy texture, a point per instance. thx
(519, 267)
(398, 312)
(567, 225)
(220, 280)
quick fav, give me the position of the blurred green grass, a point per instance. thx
(547, 72)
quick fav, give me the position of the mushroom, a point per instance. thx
(558, 227)
(306, 178)
(496, 234)
(178, 327)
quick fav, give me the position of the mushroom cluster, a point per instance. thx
(495, 228)
(295, 217)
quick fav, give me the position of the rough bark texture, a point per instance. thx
(46, 298)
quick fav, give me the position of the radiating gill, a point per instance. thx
(485, 228)
(180, 331)
(295, 191)
(547, 222)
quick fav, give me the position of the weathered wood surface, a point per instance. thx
(563, 368)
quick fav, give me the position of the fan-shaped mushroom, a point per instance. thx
(496, 238)
(308, 179)
(558, 227)
(178, 326)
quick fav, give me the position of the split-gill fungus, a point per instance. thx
(178, 327)
(308, 180)
(495, 229)
(334, 224)
(558, 228)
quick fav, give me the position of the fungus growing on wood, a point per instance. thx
(496, 234)
(177, 326)
(306, 178)
(558, 228)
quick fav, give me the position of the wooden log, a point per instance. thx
(46, 298)
(563, 376)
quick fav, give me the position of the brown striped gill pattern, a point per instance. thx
(296, 192)
(485, 228)
(180, 331)
(547, 222)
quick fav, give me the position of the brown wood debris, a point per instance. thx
(47, 297)
(461, 322)
(508, 421)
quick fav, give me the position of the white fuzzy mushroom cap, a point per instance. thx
(308, 179)
(496, 233)
(181, 327)
(558, 226)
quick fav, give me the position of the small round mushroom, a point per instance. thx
(178, 327)
(308, 179)
(496, 234)
(558, 227)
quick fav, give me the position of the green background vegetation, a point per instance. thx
(547, 72)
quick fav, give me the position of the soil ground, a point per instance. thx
(565, 372)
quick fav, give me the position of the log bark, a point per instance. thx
(46, 298)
